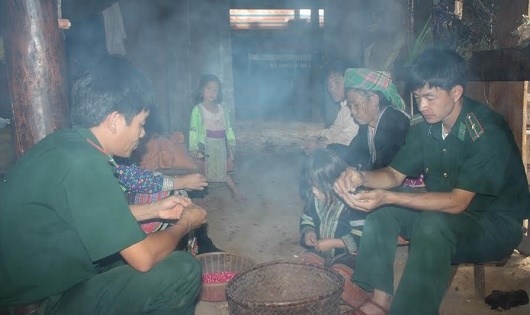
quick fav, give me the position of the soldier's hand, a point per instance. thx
(367, 200)
(171, 207)
(348, 182)
(193, 216)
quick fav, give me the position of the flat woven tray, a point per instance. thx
(284, 287)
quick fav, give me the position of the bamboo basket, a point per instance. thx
(220, 262)
(283, 287)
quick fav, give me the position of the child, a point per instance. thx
(144, 186)
(212, 140)
(328, 227)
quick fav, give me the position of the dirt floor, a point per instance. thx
(265, 228)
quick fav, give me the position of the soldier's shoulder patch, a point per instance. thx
(474, 127)
(416, 119)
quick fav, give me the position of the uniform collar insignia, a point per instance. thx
(473, 125)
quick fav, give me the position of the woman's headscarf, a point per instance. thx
(371, 80)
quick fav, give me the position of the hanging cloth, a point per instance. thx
(114, 30)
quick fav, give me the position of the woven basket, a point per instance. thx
(216, 263)
(285, 288)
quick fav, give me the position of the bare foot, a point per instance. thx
(401, 241)
(355, 296)
(379, 304)
(239, 197)
(371, 308)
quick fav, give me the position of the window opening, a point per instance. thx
(241, 19)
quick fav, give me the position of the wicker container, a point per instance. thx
(217, 263)
(285, 288)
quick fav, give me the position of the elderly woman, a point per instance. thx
(377, 107)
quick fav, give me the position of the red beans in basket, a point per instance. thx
(217, 277)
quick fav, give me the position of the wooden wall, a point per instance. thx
(175, 42)
(506, 97)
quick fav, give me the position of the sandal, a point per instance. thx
(380, 309)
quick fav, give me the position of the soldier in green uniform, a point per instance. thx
(63, 215)
(472, 210)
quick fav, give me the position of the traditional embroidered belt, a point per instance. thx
(215, 134)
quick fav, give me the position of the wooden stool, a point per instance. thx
(479, 274)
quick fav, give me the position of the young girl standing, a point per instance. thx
(212, 140)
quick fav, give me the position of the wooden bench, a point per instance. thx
(479, 274)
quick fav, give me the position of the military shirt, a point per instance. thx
(61, 210)
(478, 155)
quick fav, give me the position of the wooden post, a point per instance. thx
(315, 76)
(36, 69)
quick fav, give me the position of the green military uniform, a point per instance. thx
(479, 155)
(63, 211)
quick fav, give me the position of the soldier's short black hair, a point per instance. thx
(112, 84)
(438, 67)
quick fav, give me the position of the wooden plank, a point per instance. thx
(509, 64)
(508, 16)
(509, 99)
